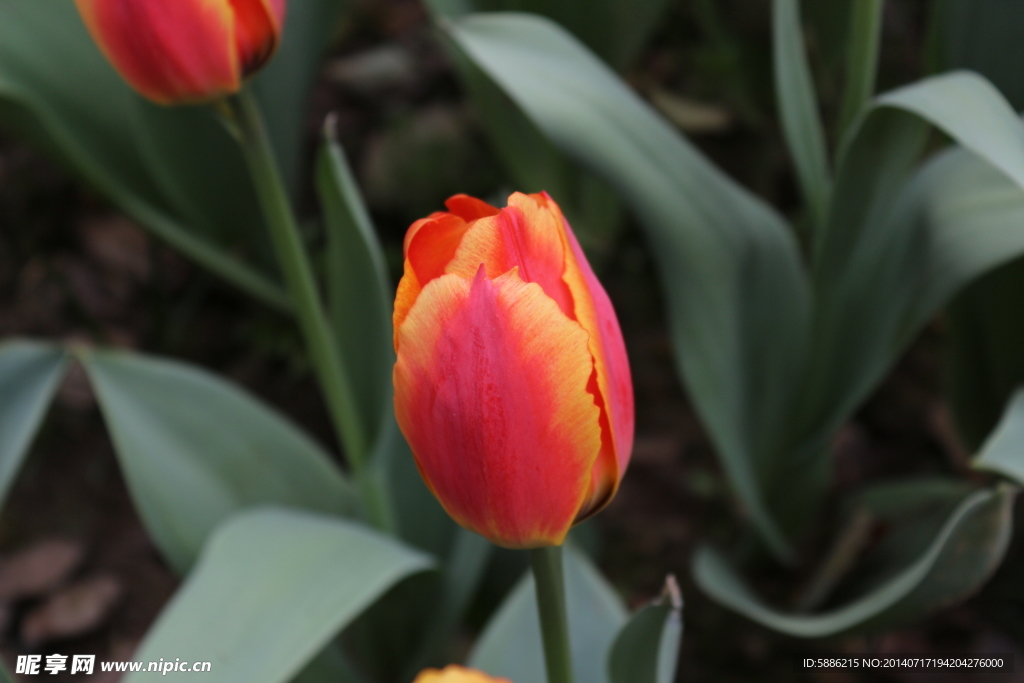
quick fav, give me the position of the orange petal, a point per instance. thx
(178, 51)
(257, 31)
(512, 239)
(595, 313)
(470, 208)
(491, 393)
(454, 673)
(430, 244)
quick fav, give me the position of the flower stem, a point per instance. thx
(554, 625)
(298, 275)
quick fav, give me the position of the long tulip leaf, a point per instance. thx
(798, 106)
(359, 291)
(967, 549)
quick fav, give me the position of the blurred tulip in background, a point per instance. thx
(187, 50)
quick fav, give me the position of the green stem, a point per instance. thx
(554, 624)
(862, 59)
(298, 275)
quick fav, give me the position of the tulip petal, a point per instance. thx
(511, 239)
(169, 51)
(594, 311)
(257, 27)
(491, 393)
(429, 245)
(454, 673)
(470, 208)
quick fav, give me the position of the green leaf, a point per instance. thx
(958, 560)
(737, 295)
(615, 29)
(1003, 452)
(29, 376)
(270, 590)
(798, 108)
(5, 676)
(647, 648)
(359, 293)
(510, 645)
(881, 269)
(57, 88)
(868, 266)
(195, 449)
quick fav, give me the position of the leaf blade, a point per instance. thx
(177, 428)
(798, 107)
(29, 376)
(270, 590)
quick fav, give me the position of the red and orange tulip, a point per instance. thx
(456, 674)
(178, 51)
(512, 384)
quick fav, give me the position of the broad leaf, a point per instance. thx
(738, 299)
(29, 376)
(510, 645)
(359, 290)
(647, 648)
(960, 558)
(269, 591)
(178, 429)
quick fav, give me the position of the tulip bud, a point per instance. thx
(456, 674)
(512, 384)
(180, 51)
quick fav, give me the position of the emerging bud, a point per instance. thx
(456, 674)
(181, 51)
(512, 384)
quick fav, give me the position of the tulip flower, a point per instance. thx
(512, 384)
(179, 51)
(456, 674)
